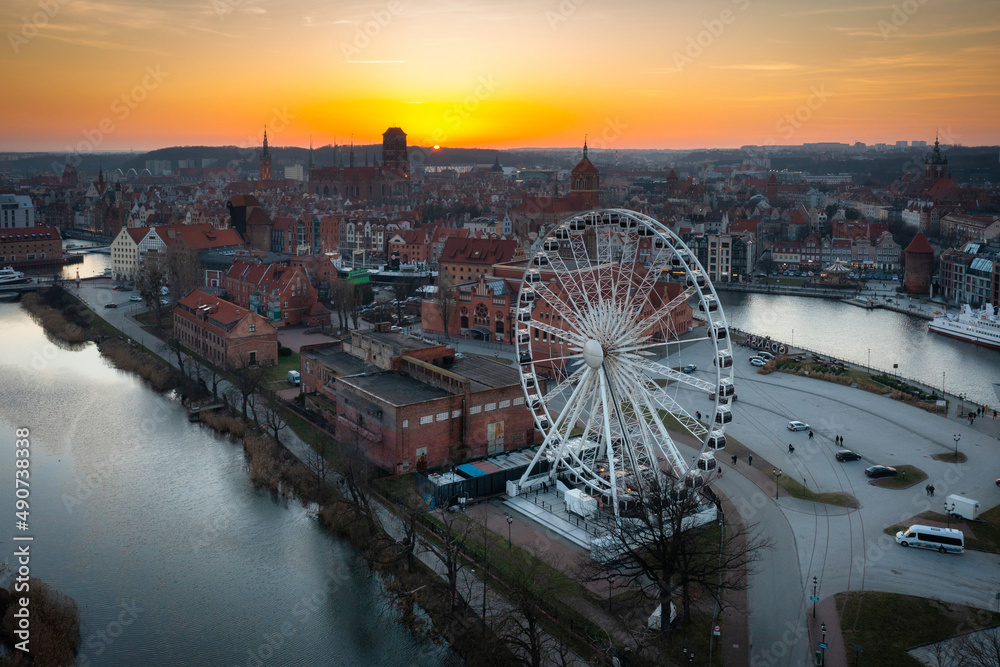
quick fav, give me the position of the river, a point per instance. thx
(143, 517)
(848, 332)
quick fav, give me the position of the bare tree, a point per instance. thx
(979, 649)
(343, 298)
(654, 547)
(446, 299)
(183, 268)
(149, 279)
(273, 423)
(247, 381)
(174, 345)
(449, 548)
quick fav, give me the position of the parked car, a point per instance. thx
(164, 302)
(766, 356)
(111, 305)
(845, 455)
(135, 297)
(757, 361)
(876, 472)
(798, 426)
(690, 368)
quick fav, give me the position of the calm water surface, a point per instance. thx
(132, 505)
(849, 332)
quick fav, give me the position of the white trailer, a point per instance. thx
(962, 507)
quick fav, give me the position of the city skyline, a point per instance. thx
(115, 76)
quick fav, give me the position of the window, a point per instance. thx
(490, 406)
(427, 419)
(504, 404)
(519, 401)
(475, 410)
(406, 423)
(456, 413)
(441, 416)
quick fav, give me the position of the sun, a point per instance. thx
(437, 148)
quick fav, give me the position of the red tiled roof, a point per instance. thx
(919, 244)
(29, 234)
(479, 251)
(585, 166)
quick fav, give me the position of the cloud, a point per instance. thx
(762, 67)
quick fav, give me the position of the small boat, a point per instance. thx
(8, 276)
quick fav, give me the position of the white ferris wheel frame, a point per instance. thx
(589, 302)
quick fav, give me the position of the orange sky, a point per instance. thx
(645, 74)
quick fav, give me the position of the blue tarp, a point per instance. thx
(469, 470)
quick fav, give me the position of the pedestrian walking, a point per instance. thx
(932, 489)
(734, 460)
(750, 460)
(927, 489)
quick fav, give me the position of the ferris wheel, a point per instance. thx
(602, 304)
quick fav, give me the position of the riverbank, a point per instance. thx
(285, 463)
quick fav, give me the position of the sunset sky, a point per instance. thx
(640, 74)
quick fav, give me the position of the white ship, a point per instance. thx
(981, 327)
(9, 276)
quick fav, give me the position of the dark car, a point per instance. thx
(690, 368)
(880, 471)
(111, 305)
(847, 455)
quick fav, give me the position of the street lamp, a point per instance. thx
(961, 406)
(948, 511)
(510, 520)
(823, 630)
(777, 476)
(956, 438)
(815, 582)
(869, 360)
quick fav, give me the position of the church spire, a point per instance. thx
(265, 152)
(352, 152)
(311, 164)
(585, 147)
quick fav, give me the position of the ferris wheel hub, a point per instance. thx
(593, 353)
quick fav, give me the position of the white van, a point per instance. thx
(294, 377)
(945, 540)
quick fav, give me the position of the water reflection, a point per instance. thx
(852, 333)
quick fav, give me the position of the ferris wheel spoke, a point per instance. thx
(676, 376)
(572, 337)
(690, 424)
(657, 315)
(609, 441)
(665, 443)
(570, 314)
(639, 450)
(569, 281)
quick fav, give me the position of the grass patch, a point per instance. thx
(907, 476)
(950, 457)
(278, 374)
(887, 624)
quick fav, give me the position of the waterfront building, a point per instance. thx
(16, 212)
(409, 404)
(962, 227)
(30, 246)
(919, 265)
(467, 258)
(223, 332)
(971, 274)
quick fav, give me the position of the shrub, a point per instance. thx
(284, 351)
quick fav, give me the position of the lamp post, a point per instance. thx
(815, 582)
(869, 361)
(823, 630)
(961, 405)
(510, 520)
(948, 510)
(777, 476)
(956, 438)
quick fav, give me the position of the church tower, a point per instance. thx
(265, 160)
(394, 154)
(936, 166)
(585, 181)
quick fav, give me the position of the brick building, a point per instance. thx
(468, 258)
(410, 404)
(224, 332)
(281, 293)
(30, 246)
